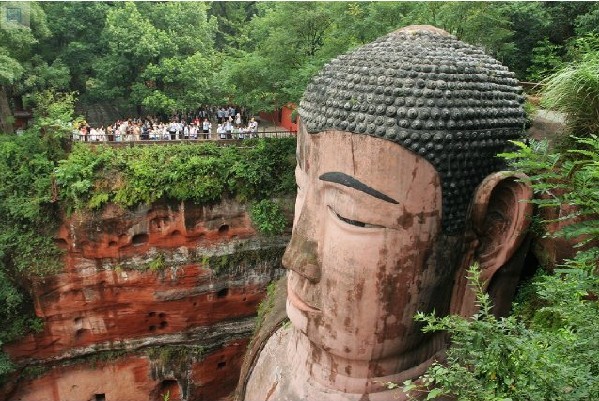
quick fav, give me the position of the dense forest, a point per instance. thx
(167, 56)
(160, 57)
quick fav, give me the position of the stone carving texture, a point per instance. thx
(434, 95)
(105, 300)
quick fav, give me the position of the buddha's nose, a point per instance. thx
(301, 257)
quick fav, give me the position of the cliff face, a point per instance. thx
(156, 300)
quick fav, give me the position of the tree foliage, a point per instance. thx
(159, 55)
(29, 213)
(167, 56)
(76, 38)
(93, 176)
(18, 73)
(548, 349)
(574, 90)
(268, 216)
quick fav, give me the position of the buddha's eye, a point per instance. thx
(349, 221)
(356, 223)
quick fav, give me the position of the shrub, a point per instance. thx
(204, 173)
(268, 216)
(549, 348)
(493, 359)
(574, 90)
(570, 177)
(29, 213)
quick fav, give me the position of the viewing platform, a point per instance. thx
(129, 140)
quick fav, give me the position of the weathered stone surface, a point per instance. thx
(441, 98)
(391, 211)
(169, 274)
(552, 250)
(137, 378)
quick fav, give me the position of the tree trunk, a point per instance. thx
(6, 117)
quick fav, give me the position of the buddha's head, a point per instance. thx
(399, 190)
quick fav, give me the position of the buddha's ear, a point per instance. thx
(500, 218)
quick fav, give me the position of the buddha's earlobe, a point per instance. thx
(500, 217)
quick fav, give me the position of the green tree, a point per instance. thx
(358, 23)
(479, 23)
(16, 48)
(233, 18)
(133, 42)
(530, 23)
(588, 22)
(546, 59)
(76, 38)
(160, 55)
(564, 15)
(285, 52)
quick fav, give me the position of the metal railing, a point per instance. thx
(177, 138)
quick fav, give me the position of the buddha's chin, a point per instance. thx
(322, 370)
(299, 315)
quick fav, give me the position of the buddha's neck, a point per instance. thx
(336, 373)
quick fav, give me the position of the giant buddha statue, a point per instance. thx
(399, 192)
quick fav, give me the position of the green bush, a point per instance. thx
(30, 215)
(157, 264)
(548, 349)
(545, 60)
(493, 359)
(29, 220)
(268, 217)
(564, 178)
(574, 90)
(204, 173)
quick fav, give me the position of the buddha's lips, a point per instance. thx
(299, 303)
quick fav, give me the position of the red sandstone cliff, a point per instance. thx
(156, 300)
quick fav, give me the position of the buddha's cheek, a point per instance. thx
(353, 264)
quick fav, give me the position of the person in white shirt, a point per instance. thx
(101, 133)
(123, 130)
(253, 128)
(228, 128)
(220, 130)
(206, 126)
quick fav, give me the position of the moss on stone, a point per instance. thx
(247, 259)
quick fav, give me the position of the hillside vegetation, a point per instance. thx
(162, 57)
(41, 182)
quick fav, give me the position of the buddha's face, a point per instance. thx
(365, 254)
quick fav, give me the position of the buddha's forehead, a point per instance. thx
(375, 162)
(350, 151)
(428, 92)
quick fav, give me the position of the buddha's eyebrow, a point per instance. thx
(349, 181)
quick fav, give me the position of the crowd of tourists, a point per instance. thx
(204, 123)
